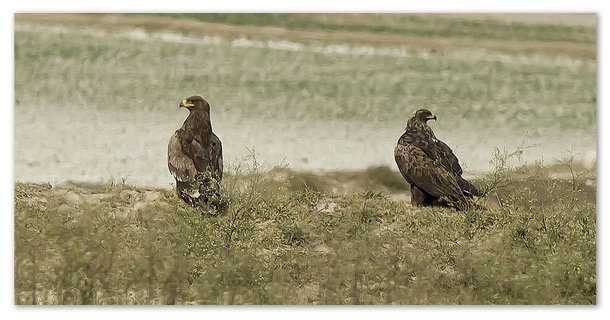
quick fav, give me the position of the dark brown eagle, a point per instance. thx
(430, 166)
(194, 156)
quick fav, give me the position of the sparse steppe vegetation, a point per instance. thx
(283, 242)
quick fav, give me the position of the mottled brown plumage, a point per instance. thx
(194, 155)
(430, 166)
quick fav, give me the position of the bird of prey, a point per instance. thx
(194, 156)
(430, 166)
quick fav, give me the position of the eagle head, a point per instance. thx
(422, 115)
(195, 103)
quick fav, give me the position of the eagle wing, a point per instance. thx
(432, 147)
(179, 163)
(450, 162)
(424, 172)
(207, 157)
(447, 157)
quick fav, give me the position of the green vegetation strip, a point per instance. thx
(442, 26)
(103, 72)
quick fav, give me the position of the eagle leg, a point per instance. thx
(420, 197)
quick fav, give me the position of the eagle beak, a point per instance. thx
(433, 117)
(186, 104)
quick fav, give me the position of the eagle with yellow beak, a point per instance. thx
(194, 156)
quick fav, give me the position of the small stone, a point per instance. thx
(323, 248)
(33, 201)
(96, 198)
(400, 197)
(151, 196)
(63, 208)
(139, 205)
(326, 207)
(72, 198)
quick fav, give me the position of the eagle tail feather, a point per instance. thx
(468, 189)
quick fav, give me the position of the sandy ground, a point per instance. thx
(71, 144)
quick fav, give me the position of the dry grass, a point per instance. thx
(284, 243)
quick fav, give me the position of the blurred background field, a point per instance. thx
(96, 94)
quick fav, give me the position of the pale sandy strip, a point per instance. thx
(58, 144)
